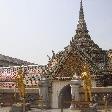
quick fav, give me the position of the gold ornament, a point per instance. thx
(20, 83)
(86, 83)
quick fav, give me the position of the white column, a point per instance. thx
(43, 92)
(75, 85)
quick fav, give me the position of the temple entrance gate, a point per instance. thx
(63, 92)
(65, 98)
(57, 88)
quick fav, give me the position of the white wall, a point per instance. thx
(56, 88)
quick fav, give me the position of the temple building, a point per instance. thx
(65, 64)
(56, 78)
(6, 61)
(86, 51)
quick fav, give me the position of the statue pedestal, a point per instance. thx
(16, 108)
(91, 108)
(19, 107)
(72, 106)
(44, 92)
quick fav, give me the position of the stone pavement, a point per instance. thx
(59, 110)
(53, 110)
(6, 109)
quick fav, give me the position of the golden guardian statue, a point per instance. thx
(85, 76)
(20, 83)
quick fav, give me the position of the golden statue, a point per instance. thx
(86, 83)
(20, 83)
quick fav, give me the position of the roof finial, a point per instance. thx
(81, 2)
(81, 13)
(81, 23)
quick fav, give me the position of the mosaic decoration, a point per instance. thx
(31, 75)
(81, 50)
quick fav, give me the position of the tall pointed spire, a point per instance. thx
(81, 27)
(82, 40)
(81, 13)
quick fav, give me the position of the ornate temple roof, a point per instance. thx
(14, 61)
(32, 74)
(81, 49)
(82, 39)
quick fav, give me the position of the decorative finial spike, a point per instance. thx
(81, 14)
(81, 6)
(81, 2)
(81, 23)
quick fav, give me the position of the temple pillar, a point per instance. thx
(44, 92)
(75, 86)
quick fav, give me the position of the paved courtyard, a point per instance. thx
(65, 110)
(53, 110)
(6, 109)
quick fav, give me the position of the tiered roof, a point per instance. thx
(32, 74)
(14, 61)
(81, 50)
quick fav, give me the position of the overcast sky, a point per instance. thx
(31, 29)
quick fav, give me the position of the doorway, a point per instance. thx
(65, 97)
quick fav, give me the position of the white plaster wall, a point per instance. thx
(56, 88)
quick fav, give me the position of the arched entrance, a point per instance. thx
(65, 97)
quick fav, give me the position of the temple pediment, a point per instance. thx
(81, 50)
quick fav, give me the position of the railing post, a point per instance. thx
(61, 97)
(23, 104)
